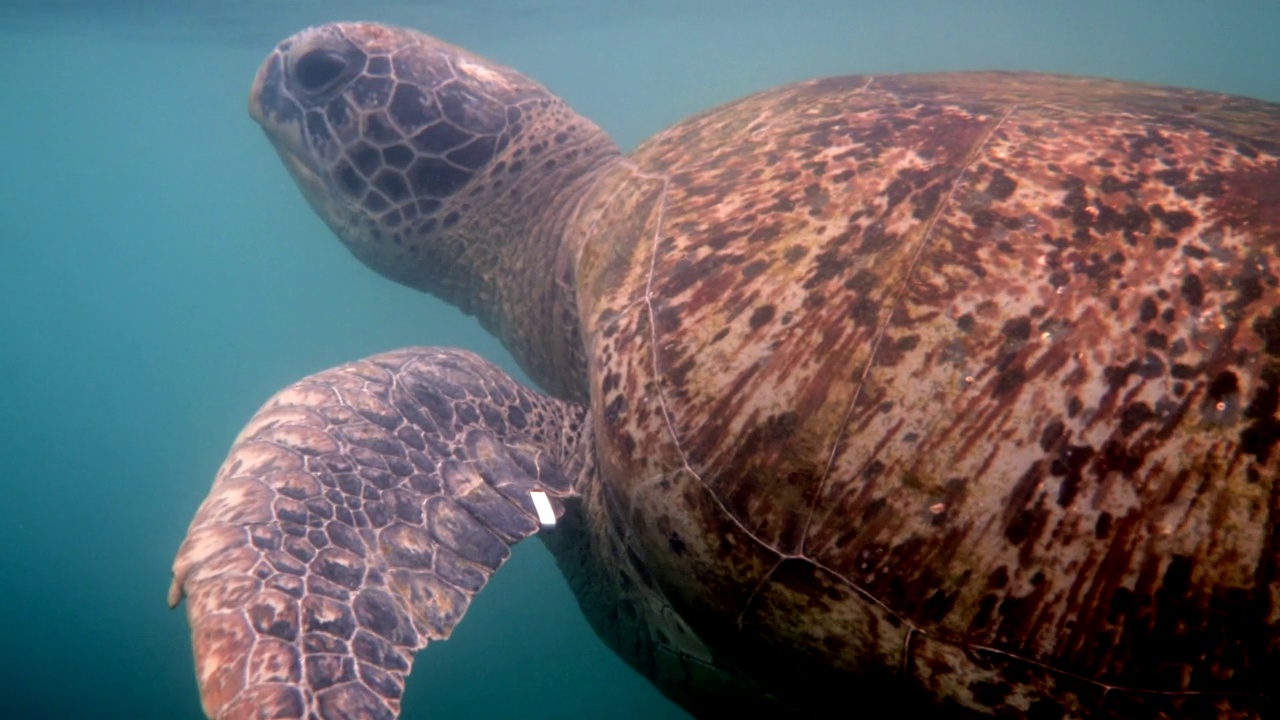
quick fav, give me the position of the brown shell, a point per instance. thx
(971, 379)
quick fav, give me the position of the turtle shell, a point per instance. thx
(967, 382)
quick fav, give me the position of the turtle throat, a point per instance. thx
(520, 254)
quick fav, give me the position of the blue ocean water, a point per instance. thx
(160, 277)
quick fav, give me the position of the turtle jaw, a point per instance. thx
(288, 141)
(310, 181)
(280, 116)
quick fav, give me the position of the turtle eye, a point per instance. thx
(317, 70)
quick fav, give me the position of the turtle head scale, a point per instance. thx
(437, 168)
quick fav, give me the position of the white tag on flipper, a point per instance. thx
(546, 515)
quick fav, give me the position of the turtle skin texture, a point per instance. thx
(956, 393)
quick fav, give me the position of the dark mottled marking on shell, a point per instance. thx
(1048, 282)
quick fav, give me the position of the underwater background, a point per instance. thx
(160, 277)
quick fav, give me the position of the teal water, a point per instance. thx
(160, 277)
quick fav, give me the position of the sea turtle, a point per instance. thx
(952, 389)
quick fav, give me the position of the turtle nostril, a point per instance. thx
(316, 70)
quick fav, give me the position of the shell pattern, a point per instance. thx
(974, 375)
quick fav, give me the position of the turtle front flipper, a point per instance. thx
(353, 521)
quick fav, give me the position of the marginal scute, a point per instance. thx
(407, 546)
(272, 701)
(220, 666)
(302, 395)
(381, 682)
(237, 500)
(459, 531)
(352, 700)
(437, 607)
(508, 520)
(231, 594)
(371, 648)
(224, 563)
(458, 572)
(301, 438)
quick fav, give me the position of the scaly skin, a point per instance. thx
(354, 520)
(951, 390)
(426, 161)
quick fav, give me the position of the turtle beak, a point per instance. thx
(310, 182)
(269, 70)
(269, 101)
(280, 116)
(281, 119)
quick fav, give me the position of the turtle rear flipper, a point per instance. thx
(353, 521)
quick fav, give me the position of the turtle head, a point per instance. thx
(437, 168)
